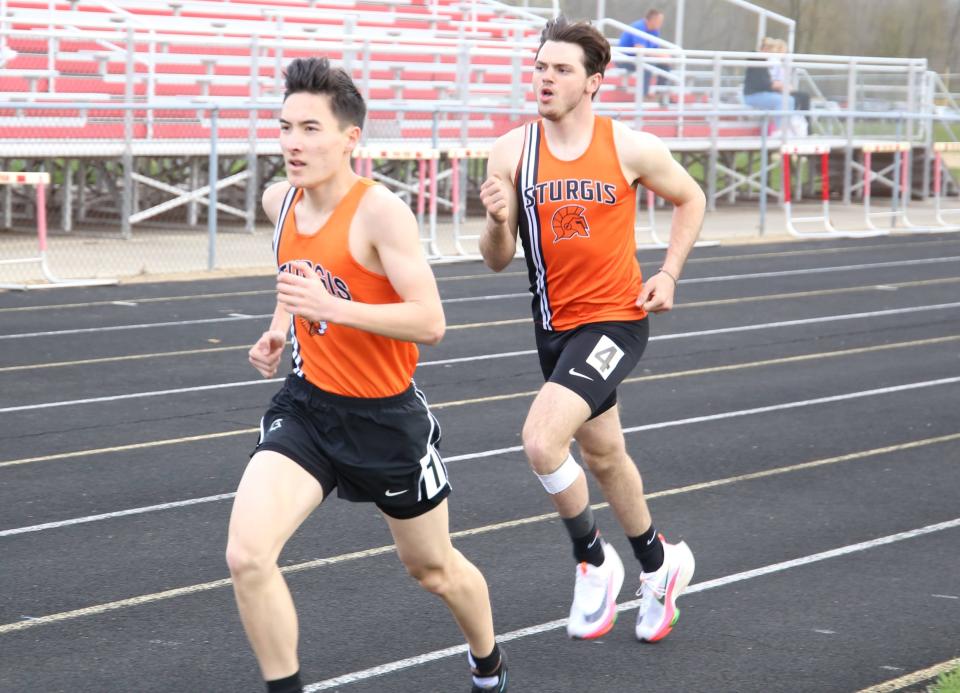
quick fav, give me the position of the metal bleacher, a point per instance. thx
(98, 92)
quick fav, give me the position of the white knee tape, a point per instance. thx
(562, 478)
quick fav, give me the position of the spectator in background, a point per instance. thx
(650, 24)
(802, 98)
(761, 90)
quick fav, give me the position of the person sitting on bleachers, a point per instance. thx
(650, 24)
(761, 91)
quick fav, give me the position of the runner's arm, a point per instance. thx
(498, 240)
(391, 229)
(646, 159)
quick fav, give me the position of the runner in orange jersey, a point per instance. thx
(360, 293)
(567, 184)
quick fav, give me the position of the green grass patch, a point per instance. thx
(948, 682)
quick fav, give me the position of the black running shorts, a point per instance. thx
(381, 450)
(593, 359)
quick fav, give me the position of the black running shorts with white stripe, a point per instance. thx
(381, 450)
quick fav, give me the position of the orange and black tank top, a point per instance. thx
(336, 358)
(576, 226)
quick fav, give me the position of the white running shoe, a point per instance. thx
(594, 608)
(659, 591)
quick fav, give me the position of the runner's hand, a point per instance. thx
(302, 293)
(494, 195)
(265, 354)
(656, 295)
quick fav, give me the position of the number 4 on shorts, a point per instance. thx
(605, 356)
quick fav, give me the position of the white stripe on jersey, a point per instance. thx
(281, 219)
(528, 180)
(295, 344)
(277, 231)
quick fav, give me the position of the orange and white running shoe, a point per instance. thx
(594, 608)
(659, 591)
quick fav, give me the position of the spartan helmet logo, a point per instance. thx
(569, 221)
(314, 329)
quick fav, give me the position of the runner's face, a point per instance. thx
(314, 145)
(560, 81)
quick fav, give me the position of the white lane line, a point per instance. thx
(743, 412)
(491, 297)
(419, 660)
(89, 452)
(474, 531)
(491, 323)
(140, 326)
(482, 357)
(143, 445)
(810, 321)
(135, 395)
(204, 321)
(820, 270)
(696, 280)
(492, 275)
(914, 678)
(118, 513)
(485, 357)
(517, 448)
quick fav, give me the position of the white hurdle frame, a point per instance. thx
(900, 187)
(651, 227)
(363, 165)
(455, 155)
(40, 180)
(788, 151)
(938, 149)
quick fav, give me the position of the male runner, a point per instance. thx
(354, 280)
(567, 182)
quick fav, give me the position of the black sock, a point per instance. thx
(486, 666)
(291, 684)
(587, 547)
(648, 549)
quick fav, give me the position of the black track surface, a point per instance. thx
(82, 603)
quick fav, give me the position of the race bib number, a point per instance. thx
(433, 473)
(605, 356)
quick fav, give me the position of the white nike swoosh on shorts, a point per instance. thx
(573, 371)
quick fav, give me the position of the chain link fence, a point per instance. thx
(131, 186)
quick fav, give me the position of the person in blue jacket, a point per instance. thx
(650, 24)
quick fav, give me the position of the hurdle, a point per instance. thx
(788, 151)
(456, 155)
(651, 227)
(900, 186)
(938, 149)
(363, 165)
(40, 180)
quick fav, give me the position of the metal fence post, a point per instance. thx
(126, 196)
(928, 108)
(764, 177)
(851, 105)
(251, 196)
(897, 191)
(212, 193)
